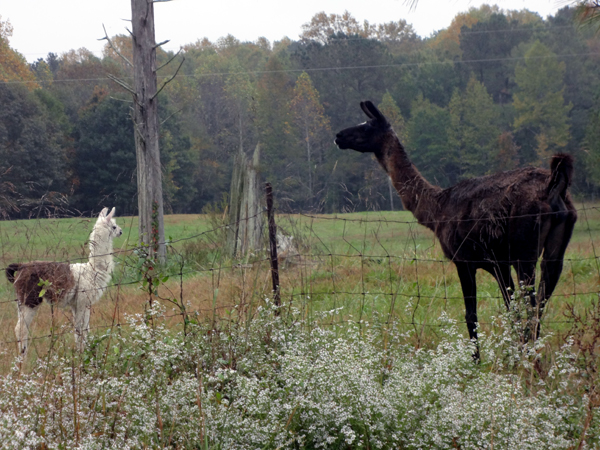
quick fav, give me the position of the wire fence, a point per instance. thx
(353, 267)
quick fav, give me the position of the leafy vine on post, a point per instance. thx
(148, 266)
(154, 225)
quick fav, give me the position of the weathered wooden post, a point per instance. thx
(245, 210)
(273, 246)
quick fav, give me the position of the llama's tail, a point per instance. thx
(561, 174)
(10, 271)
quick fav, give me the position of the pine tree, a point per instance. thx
(391, 110)
(427, 143)
(473, 132)
(539, 101)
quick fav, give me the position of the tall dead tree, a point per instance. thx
(146, 124)
(145, 117)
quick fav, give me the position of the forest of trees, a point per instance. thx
(495, 90)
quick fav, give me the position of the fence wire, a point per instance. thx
(356, 267)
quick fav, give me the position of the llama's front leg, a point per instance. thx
(501, 272)
(554, 254)
(26, 316)
(526, 274)
(466, 274)
(81, 316)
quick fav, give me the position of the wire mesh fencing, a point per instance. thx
(377, 267)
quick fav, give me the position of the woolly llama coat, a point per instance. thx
(495, 222)
(77, 286)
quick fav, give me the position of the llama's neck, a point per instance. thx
(101, 249)
(418, 195)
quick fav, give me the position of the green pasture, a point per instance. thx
(394, 266)
(368, 266)
(371, 234)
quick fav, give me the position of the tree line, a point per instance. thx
(495, 90)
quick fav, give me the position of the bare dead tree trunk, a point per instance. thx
(145, 116)
(245, 228)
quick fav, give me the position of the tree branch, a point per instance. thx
(113, 47)
(121, 83)
(161, 43)
(169, 61)
(169, 80)
(120, 100)
(171, 115)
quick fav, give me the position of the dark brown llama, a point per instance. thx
(491, 222)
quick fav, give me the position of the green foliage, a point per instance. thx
(506, 157)
(435, 78)
(473, 131)
(89, 70)
(539, 101)
(310, 124)
(180, 164)
(427, 143)
(591, 155)
(104, 163)
(493, 39)
(536, 83)
(33, 146)
(390, 109)
(349, 83)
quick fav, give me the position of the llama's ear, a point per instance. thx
(102, 214)
(110, 216)
(371, 110)
(365, 107)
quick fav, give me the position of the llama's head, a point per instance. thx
(106, 225)
(368, 137)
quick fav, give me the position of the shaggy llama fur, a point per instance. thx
(491, 222)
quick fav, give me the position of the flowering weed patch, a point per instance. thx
(275, 382)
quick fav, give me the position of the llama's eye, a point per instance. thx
(114, 227)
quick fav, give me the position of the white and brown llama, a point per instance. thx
(78, 286)
(491, 222)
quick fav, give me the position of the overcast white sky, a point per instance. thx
(43, 26)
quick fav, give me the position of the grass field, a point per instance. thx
(371, 266)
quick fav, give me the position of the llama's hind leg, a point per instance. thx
(26, 316)
(81, 317)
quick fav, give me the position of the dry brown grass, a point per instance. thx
(218, 294)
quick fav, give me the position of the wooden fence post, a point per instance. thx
(273, 246)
